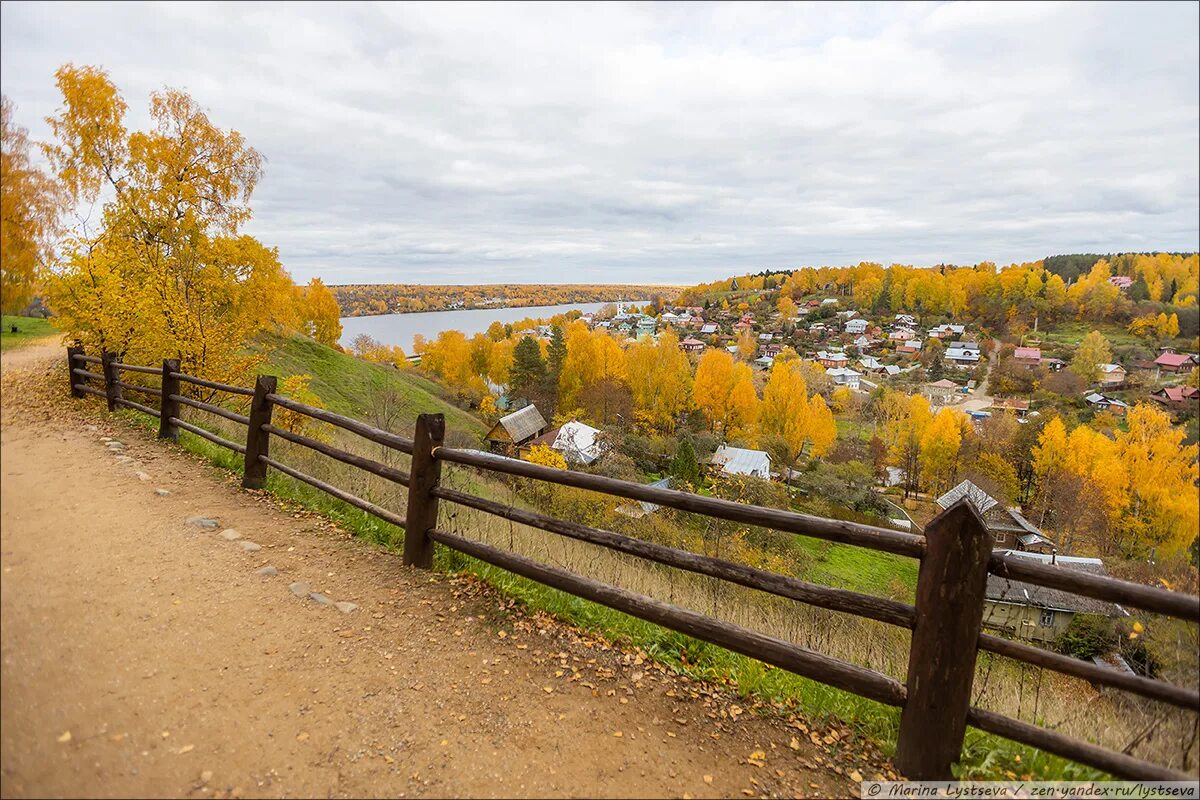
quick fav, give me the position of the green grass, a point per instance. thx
(29, 329)
(1072, 333)
(351, 386)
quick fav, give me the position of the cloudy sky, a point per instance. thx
(675, 143)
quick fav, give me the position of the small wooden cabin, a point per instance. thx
(514, 430)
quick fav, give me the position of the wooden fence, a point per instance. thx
(955, 555)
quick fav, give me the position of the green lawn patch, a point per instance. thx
(29, 329)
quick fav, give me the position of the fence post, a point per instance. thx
(258, 441)
(112, 392)
(425, 474)
(72, 353)
(951, 588)
(167, 407)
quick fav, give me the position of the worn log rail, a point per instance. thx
(955, 558)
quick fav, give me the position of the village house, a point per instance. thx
(576, 442)
(909, 348)
(1111, 374)
(1019, 407)
(1009, 528)
(844, 376)
(741, 461)
(946, 331)
(1099, 402)
(1176, 397)
(742, 326)
(690, 345)
(515, 430)
(639, 509)
(1037, 613)
(963, 353)
(906, 320)
(1028, 357)
(763, 363)
(1053, 364)
(941, 392)
(1171, 362)
(1122, 282)
(862, 343)
(708, 328)
(833, 359)
(902, 335)
(855, 326)
(772, 350)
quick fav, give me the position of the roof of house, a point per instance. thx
(709, 327)
(692, 342)
(832, 356)
(1014, 403)
(577, 442)
(1030, 353)
(1109, 368)
(1009, 591)
(1177, 394)
(1173, 359)
(1096, 397)
(742, 461)
(982, 501)
(523, 424)
(962, 354)
(944, 383)
(839, 372)
(641, 508)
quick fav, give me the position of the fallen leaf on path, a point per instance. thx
(708, 778)
(66, 737)
(187, 748)
(618, 734)
(758, 758)
(856, 776)
(794, 743)
(302, 737)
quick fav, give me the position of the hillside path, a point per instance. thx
(145, 656)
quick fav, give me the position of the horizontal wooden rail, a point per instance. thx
(138, 368)
(90, 390)
(87, 374)
(905, 544)
(834, 672)
(862, 605)
(89, 359)
(364, 430)
(212, 437)
(221, 387)
(1146, 687)
(121, 401)
(1100, 587)
(370, 465)
(150, 390)
(340, 494)
(210, 408)
(1110, 761)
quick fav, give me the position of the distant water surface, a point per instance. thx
(393, 329)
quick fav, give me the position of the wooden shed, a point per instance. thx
(514, 430)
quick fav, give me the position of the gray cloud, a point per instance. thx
(674, 143)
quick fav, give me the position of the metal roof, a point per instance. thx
(741, 461)
(523, 424)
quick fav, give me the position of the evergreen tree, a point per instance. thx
(1174, 290)
(528, 375)
(555, 354)
(685, 466)
(1139, 291)
(937, 362)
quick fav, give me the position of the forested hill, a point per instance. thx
(1072, 265)
(360, 300)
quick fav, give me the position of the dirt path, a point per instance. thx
(145, 656)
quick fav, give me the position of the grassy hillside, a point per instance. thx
(28, 330)
(354, 387)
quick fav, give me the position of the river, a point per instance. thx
(393, 329)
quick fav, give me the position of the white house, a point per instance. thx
(577, 443)
(740, 461)
(946, 331)
(902, 335)
(862, 342)
(963, 352)
(905, 319)
(844, 376)
(856, 325)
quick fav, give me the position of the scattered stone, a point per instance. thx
(300, 588)
(206, 776)
(320, 599)
(124, 459)
(142, 476)
(267, 571)
(250, 546)
(91, 429)
(103, 438)
(230, 535)
(161, 492)
(203, 522)
(115, 445)
(345, 607)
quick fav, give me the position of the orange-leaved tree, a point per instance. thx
(167, 273)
